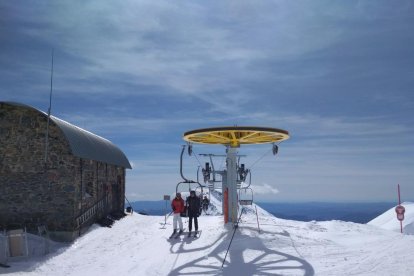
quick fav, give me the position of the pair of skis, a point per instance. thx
(195, 235)
(177, 234)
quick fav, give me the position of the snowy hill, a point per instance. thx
(389, 221)
(139, 245)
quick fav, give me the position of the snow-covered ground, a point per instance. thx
(139, 245)
(389, 221)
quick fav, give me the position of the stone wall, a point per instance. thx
(55, 192)
(96, 181)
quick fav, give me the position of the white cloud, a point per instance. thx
(264, 189)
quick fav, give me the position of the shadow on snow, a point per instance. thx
(247, 256)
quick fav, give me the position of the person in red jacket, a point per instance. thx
(177, 205)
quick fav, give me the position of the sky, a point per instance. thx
(338, 75)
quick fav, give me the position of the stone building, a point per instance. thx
(56, 174)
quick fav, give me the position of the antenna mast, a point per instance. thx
(48, 112)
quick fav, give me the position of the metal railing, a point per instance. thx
(90, 212)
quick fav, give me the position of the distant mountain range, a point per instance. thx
(322, 211)
(153, 208)
(318, 211)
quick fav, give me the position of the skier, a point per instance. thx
(193, 207)
(177, 205)
(206, 202)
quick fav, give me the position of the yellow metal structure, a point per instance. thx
(236, 135)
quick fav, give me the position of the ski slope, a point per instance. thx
(139, 245)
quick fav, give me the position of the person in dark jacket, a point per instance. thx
(193, 207)
(206, 203)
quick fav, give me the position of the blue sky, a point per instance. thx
(338, 75)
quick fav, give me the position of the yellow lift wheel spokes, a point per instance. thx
(236, 136)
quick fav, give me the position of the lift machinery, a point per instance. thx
(232, 138)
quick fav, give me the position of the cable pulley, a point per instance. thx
(190, 149)
(275, 149)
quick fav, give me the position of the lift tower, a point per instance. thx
(233, 138)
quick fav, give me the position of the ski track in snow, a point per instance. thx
(138, 245)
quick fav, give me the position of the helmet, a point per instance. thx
(192, 192)
(178, 194)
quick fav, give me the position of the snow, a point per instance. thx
(139, 245)
(389, 221)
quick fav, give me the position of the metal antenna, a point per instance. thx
(48, 112)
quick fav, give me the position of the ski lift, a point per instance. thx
(246, 196)
(206, 172)
(192, 185)
(243, 172)
(246, 199)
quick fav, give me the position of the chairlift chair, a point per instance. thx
(192, 186)
(246, 196)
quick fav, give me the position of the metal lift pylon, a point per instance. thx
(233, 138)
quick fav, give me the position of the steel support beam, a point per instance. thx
(232, 183)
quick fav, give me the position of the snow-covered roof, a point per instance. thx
(85, 144)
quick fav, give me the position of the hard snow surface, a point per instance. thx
(139, 245)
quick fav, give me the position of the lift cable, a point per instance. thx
(195, 155)
(261, 157)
